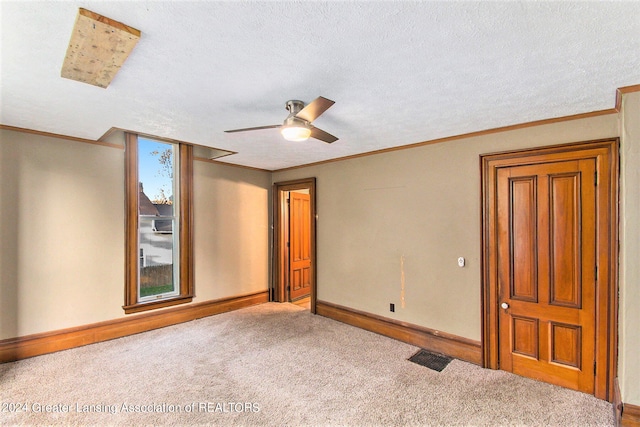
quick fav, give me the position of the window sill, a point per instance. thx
(152, 305)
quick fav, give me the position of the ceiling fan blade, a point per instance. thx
(322, 135)
(255, 128)
(315, 108)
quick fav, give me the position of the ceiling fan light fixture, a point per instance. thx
(295, 133)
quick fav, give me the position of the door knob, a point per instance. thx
(504, 305)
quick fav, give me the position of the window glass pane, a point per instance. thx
(157, 266)
(155, 172)
(158, 219)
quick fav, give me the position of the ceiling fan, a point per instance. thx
(297, 126)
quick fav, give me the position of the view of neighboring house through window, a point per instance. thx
(158, 208)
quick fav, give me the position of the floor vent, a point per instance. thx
(434, 361)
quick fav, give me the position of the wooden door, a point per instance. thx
(299, 245)
(550, 253)
(547, 271)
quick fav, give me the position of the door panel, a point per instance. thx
(299, 245)
(546, 238)
(565, 240)
(525, 336)
(524, 277)
(566, 344)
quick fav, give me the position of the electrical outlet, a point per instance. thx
(392, 307)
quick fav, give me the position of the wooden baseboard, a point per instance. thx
(617, 402)
(626, 414)
(38, 344)
(630, 415)
(429, 339)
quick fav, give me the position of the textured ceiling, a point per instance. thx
(400, 72)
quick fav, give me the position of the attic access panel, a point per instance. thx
(97, 49)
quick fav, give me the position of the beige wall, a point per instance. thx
(61, 227)
(421, 205)
(232, 230)
(62, 233)
(629, 311)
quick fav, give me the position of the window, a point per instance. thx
(159, 267)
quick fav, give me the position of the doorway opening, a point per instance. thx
(294, 236)
(550, 256)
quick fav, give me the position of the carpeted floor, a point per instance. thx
(274, 364)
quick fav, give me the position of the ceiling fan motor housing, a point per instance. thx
(295, 122)
(294, 106)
